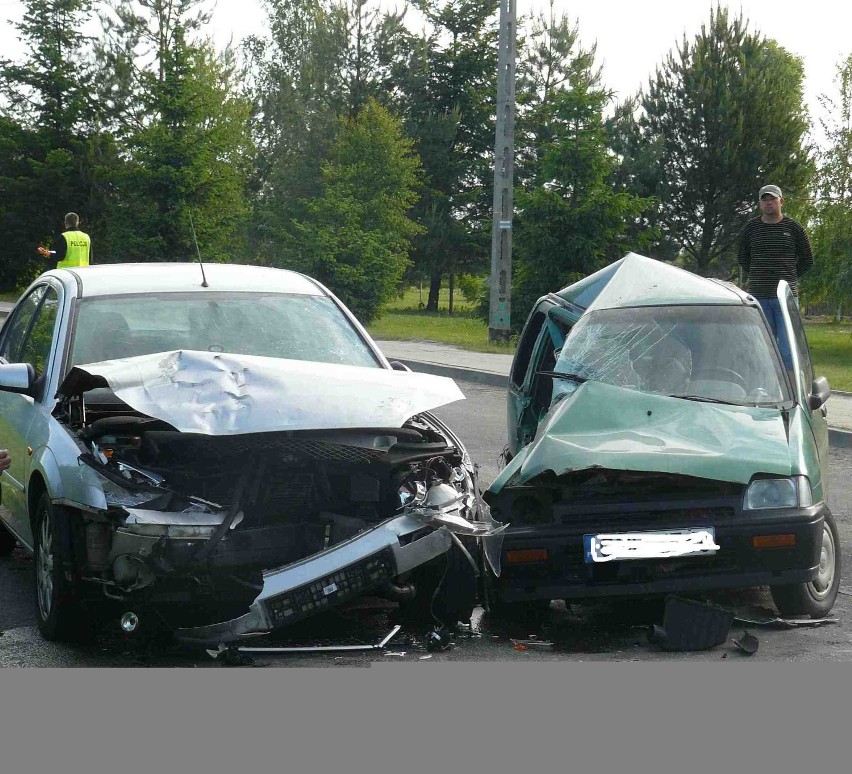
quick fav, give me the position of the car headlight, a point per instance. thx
(767, 493)
(118, 496)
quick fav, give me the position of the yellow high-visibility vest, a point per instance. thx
(78, 247)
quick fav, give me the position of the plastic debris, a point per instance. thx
(437, 640)
(395, 653)
(788, 623)
(747, 643)
(222, 649)
(533, 642)
(690, 625)
(428, 655)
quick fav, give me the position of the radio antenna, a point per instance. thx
(195, 239)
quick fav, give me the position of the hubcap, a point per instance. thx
(44, 568)
(821, 585)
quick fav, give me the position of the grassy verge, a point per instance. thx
(10, 297)
(405, 320)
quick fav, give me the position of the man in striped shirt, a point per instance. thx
(773, 247)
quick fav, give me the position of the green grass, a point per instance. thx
(404, 320)
(11, 297)
(831, 349)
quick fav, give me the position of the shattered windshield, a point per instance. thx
(711, 353)
(291, 326)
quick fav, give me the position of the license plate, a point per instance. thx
(663, 544)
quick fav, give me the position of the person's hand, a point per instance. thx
(44, 251)
(4, 460)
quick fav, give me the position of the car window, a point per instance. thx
(712, 352)
(291, 326)
(805, 364)
(39, 339)
(526, 346)
(16, 328)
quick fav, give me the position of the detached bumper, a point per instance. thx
(314, 584)
(565, 573)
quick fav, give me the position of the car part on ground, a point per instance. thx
(691, 625)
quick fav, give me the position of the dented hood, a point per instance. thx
(224, 394)
(600, 425)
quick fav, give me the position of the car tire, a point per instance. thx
(58, 611)
(455, 581)
(7, 541)
(814, 598)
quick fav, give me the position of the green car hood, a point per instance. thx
(600, 425)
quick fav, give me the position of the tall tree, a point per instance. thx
(357, 234)
(724, 113)
(831, 279)
(48, 125)
(186, 134)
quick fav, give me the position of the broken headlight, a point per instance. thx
(765, 493)
(117, 496)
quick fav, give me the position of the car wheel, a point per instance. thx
(445, 589)
(7, 541)
(814, 598)
(60, 617)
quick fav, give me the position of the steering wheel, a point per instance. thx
(720, 374)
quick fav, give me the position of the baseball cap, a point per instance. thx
(774, 190)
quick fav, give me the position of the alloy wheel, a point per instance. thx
(44, 567)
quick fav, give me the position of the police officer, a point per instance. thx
(73, 247)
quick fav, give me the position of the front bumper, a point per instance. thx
(566, 575)
(340, 573)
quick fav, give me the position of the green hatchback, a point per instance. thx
(657, 444)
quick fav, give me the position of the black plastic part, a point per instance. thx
(690, 625)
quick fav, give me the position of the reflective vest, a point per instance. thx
(77, 250)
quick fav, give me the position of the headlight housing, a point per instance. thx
(767, 493)
(118, 496)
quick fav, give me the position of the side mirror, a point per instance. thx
(820, 393)
(17, 377)
(397, 366)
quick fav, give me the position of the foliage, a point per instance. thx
(357, 233)
(723, 115)
(831, 279)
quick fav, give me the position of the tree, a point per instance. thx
(570, 220)
(831, 279)
(724, 114)
(186, 136)
(48, 128)
(357, 234)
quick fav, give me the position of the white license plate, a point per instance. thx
(665, 544)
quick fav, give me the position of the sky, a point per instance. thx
(632, 37)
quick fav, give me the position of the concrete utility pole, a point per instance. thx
(500, 308)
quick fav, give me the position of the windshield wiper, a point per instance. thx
(563, 375)
(703, 399)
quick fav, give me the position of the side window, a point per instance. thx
(801, 344)
(526, 347)
(37, 344)
(16, 328)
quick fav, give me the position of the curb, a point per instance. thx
(840, 439)
(457, 372)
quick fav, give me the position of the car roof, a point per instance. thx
(126, 278)
(636, 280)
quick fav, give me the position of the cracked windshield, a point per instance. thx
(710, 353)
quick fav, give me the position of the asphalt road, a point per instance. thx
(593, 631)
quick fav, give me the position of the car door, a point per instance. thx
(530, 392)
(29, 337)
(803, 370)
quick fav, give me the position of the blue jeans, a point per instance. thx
(772, 309)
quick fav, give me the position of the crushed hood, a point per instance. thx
(600, 425)
(224, 394)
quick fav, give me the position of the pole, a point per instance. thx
(500, 302)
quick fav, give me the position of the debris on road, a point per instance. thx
(788, 623)
(690, 625)
(747, 643)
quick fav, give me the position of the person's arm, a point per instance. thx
(60, 247)
(744, 250)
(4, 460)
(804, 254)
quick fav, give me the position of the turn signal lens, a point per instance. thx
(526, 556)
(773, 541)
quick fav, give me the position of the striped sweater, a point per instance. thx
(770, 252)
